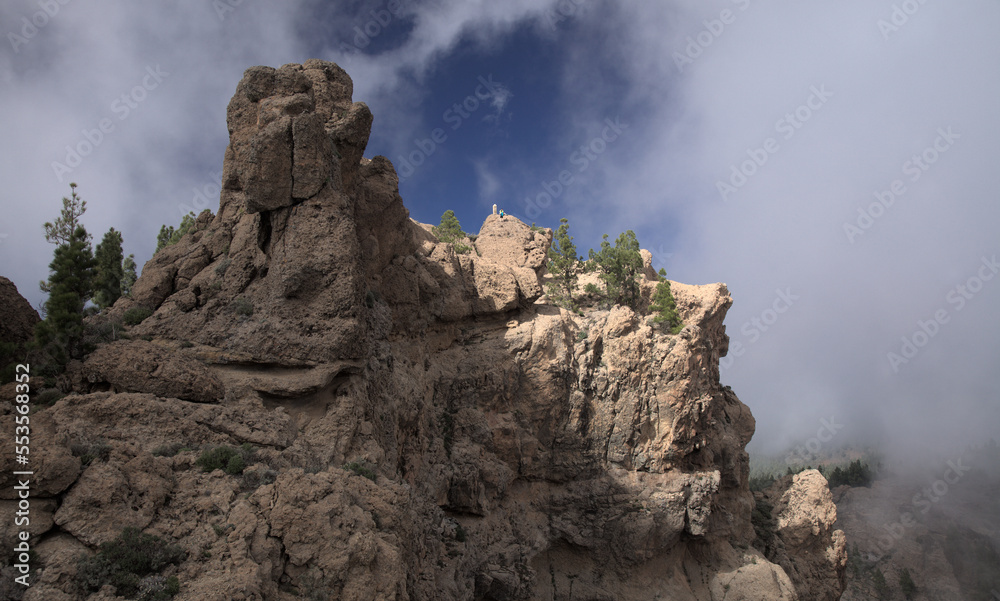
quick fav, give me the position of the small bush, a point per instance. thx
(220, 269)
(168, 450)
(158, 588)
(254, 479)
(89, 452)
(361, 470)
(582, 334)
(242, 306)
(462, 249)
(223, 458)
(907, 584)
(235, 466)
(48, 396)
(136, 315)
(126, 562)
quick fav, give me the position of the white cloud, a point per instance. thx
(488, 182)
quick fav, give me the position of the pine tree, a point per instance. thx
(620, 267)
(61, 230)
(665, 307)
(563, 262)
(109, 270)
(906, 583)
(449, 230)
(882, 591)
(70, 285)
(170, 235)
(128, 275)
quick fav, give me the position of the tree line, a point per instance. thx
(619, 268)
(78, 274)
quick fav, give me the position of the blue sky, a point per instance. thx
(835, 165)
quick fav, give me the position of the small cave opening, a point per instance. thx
(264, 233)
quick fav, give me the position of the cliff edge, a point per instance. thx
(416, 423)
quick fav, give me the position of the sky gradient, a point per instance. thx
(834, 164)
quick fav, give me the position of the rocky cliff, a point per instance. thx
(17, 327)
(417, 423)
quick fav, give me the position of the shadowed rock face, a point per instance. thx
(429, 426)
(18, 318)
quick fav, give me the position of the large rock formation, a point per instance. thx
(804, 542)
(17, 324)
(426, 426)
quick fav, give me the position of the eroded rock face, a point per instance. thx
(426, 426)
(140, 366)
(18, 318)
(807, 546)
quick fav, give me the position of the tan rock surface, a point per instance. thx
(811, 551)
(140, 366)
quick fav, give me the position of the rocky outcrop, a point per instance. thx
(140, 366)
(804, 541)
(17, 328)
(424, 424)
(17, 323)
